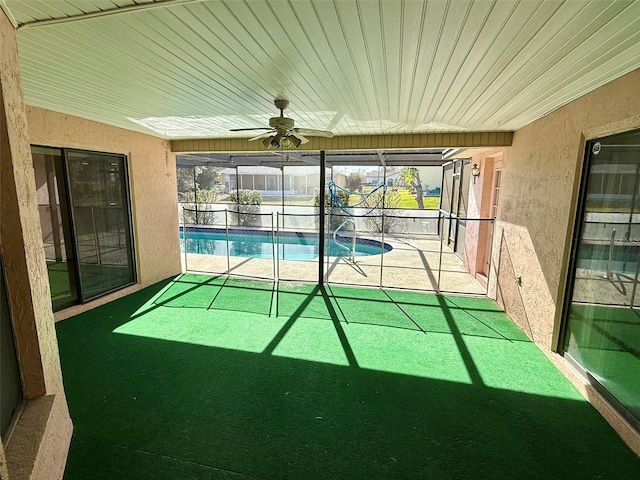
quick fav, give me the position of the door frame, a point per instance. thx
(63, 185)
(578, 229)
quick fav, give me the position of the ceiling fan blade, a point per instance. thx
(300, 137)
(262, 135)
(314, 133)
(247, 129)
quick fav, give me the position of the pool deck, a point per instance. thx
(412, 264)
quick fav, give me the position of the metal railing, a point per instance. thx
(353, 239)
(436, 265)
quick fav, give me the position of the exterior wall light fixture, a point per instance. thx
(475, 172)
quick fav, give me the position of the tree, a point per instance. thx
(355, 181)
(206, 176)
(196, 181)
(411, 176)
(185, 180)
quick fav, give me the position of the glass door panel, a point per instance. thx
(54, 220)
(464, 184)
(603, 325)
(98, 192)
(446, 201)
(10, 385)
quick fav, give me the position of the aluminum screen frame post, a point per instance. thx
(282, 189)
(321, 222)
(277, 254)
(238, 194)
(440, 222)
(184, 238)
(226, 231)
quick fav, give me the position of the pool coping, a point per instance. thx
(284, 233)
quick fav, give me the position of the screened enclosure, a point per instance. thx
(393, 219)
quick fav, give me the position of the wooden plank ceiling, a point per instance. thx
(194, 69)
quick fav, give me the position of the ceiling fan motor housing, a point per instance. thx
(281, 123)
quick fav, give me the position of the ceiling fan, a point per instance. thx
(282, 131)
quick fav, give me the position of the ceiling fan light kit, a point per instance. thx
(291, 141)
(282, 131)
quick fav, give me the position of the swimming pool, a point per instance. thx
(259, 244)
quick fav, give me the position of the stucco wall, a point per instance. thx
(39, 442)
(540, 180)
(152, 172)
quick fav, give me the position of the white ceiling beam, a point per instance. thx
(102, 13)
(315, 162)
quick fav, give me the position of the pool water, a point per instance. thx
(292, 245)
(624, 259)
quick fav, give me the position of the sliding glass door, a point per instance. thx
(603, 321)
(86, 223)
(102, 227)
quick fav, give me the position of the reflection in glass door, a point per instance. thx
(603, 325)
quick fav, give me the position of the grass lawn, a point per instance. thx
(407, 200)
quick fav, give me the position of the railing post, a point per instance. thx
(635, 285)
(382, 249)
(612, 241)
(95, 234)
(184, 238)
(273, 249)
(353, 245)
(492, 223)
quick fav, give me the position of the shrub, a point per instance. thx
(204, 196)
(248, 202)
(246, 197)
(338, 218)
(343, 197)
(378, 206)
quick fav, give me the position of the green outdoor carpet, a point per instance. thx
(205, 378)
(606, 341)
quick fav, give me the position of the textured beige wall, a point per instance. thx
(152, 172)
(27, 287)
(40, 440)
(25, 269)
(540, 180)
